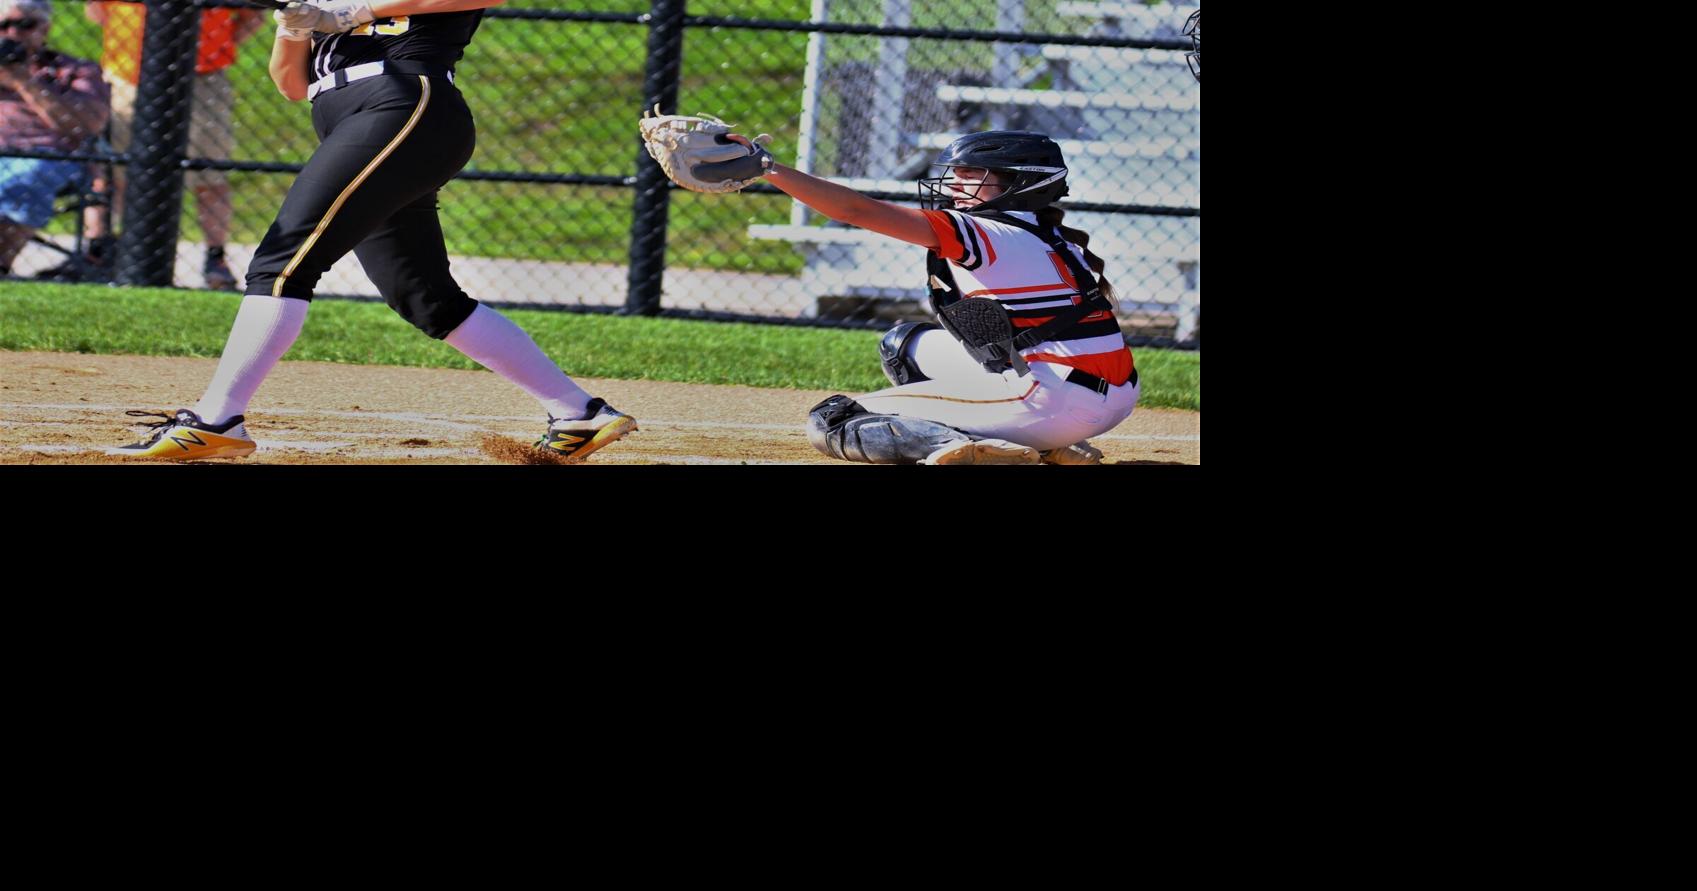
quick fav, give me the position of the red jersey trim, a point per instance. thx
(1114, 367)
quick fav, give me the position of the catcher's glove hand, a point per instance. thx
(697, 153)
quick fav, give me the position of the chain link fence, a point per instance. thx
(561, 207)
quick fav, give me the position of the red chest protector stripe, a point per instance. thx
(1114, 367)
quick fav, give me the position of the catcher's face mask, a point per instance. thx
(960, 187)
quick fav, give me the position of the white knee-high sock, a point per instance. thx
(265, 328)
(493, 341)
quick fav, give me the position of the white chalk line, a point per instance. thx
(467, 423)
(599, 458)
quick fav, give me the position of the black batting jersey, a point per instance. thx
(439, 38)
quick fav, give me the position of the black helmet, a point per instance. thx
(1193, 28)
(1030, 163)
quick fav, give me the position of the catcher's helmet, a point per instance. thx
(1193, 29)
(1033, 173)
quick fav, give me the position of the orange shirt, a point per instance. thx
(120, 52)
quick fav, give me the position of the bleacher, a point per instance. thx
(1126, 121)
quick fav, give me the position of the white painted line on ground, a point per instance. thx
(468, 423)
(601, 458)
(414, 453)
(302, 445)
(458, 422)
(42, 424)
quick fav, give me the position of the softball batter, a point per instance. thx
(393, 129)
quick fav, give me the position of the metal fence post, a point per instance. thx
(153, 200)
(648, 224)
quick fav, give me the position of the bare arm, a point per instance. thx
(845, 205)
(848, 206)
(288, 66)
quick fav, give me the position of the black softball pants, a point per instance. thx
(387, 144)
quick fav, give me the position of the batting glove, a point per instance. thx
(330, 18)
(284, 32)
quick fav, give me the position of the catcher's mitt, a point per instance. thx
(695, 153)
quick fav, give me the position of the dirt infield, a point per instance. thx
(58, 408)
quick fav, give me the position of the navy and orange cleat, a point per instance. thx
(576, 440)
(983, 451)
(1081, 452)
(185, 437)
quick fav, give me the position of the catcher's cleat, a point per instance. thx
(185, 437)
(1078, 453)
(576, 440)
(983, 451)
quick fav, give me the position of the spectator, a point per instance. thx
(48, 102)
(210, 134)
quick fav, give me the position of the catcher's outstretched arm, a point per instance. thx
(848, 206)
(845, 205)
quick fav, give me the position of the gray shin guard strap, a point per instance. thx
(841, 432)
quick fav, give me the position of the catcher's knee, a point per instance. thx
(899, 367)
(839, 427)
(436, 317)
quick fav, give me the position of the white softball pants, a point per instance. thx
(1040, 410)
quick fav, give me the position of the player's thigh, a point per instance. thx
(355, 181)
(975, 401)
(939, 355)
(1041, 410)
(406, 258)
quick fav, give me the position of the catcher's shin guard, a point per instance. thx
(898, 366)
(840, 428)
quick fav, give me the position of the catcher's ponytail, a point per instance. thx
(1052, 216)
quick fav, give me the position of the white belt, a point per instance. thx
(344, 76)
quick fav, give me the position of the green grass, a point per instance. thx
(167, 322)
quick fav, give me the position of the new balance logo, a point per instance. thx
(190, 437)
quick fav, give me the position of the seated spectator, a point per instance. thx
(48, 102)
(210, 134)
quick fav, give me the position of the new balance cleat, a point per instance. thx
(185, 437)
(1078, 453)
(576, 440)
(983, 451)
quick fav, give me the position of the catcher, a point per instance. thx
(1025, 362)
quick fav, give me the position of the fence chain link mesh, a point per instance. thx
(552, 210)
